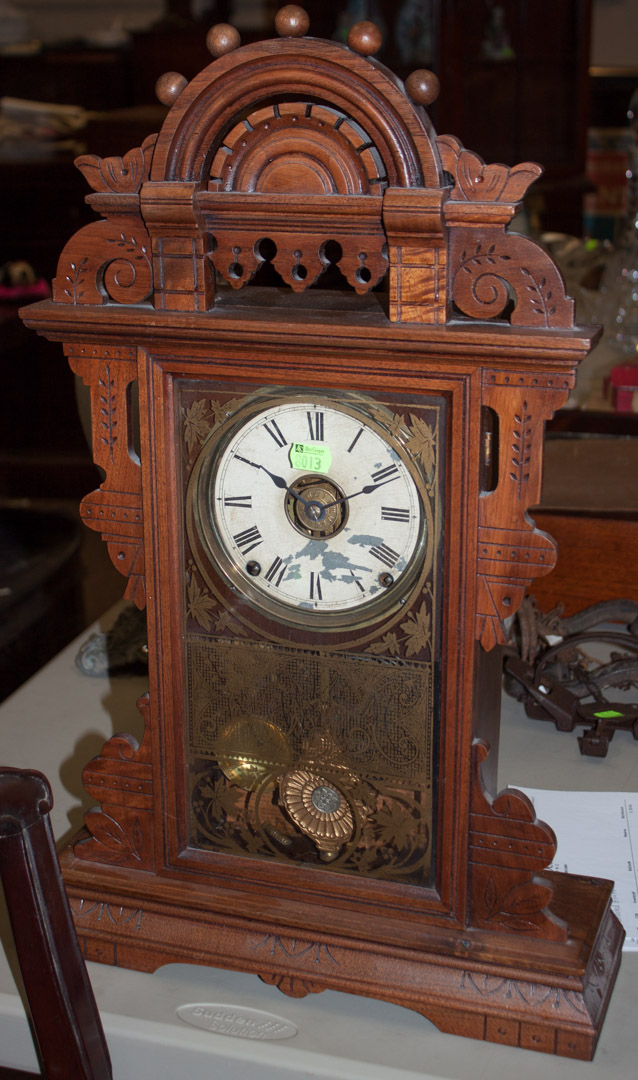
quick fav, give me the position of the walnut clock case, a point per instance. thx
(328, 529)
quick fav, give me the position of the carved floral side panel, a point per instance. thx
(507, 847)
(511, 552)
(120, 779)
(115, 508)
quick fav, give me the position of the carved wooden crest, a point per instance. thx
(323, 159)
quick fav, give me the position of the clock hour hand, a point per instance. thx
(278, 481)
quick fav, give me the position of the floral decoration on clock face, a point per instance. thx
(312, 507)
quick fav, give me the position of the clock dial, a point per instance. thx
(312, 508)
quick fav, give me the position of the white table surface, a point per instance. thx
(59, 719)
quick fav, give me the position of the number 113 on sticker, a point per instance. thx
(310, 458)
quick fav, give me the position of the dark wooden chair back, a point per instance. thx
(64, 1014)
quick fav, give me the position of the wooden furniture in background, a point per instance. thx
(600, 559)
(314, 800)
(589, 505)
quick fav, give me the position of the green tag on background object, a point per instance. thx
(608, 714)
(310, 458)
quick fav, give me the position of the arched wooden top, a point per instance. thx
(313, 70)
(306, 155)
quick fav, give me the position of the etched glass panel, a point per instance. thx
(311, 726)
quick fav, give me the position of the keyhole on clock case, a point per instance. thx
(489, 448)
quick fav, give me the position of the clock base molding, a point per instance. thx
(540, 995)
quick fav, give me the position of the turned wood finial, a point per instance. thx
(292, 21)
(169, 86)
(221, 39)
(365, 38)
(422, 87)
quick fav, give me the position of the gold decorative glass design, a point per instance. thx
(312, 725)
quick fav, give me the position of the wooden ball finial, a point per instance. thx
(221, 39)
(365, 38)
(292, 21)
(169, 86)
(422, 87)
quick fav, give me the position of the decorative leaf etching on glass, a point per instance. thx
(201, 416)
(205, 609)
(412, 637)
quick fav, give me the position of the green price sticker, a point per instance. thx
(607, 714)
(310, 458)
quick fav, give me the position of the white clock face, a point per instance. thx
(312, 508)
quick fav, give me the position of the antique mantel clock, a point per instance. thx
(344, 363)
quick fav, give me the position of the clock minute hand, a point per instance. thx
(278, 481)
(364, 491)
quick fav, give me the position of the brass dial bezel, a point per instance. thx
(206, 541)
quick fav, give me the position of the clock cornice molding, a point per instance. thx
(480, 343)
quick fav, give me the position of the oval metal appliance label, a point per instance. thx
(237, 1020)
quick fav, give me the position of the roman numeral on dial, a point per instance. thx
(355, 440)
(385, 476)
(248, 539)
(238, 500)
(315, 426)
(393, 513)
(315, 586)
(276, 571)
(275, 433)
(357, 582)
(385, 554)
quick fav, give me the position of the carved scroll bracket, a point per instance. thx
(489, 267)
(121, 780)
(413, 220)
(510, 550)
(110, 261)
(114, 509)
(107, 261)
(507, 846)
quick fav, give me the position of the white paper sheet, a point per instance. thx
(597, 834)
